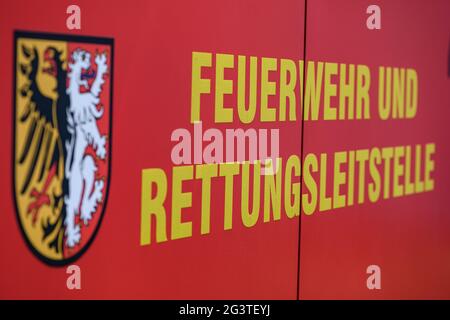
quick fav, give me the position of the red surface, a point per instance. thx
(154, 42)
(407, 237)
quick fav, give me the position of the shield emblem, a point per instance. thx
(62, 141)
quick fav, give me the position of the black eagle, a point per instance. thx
(46, 135)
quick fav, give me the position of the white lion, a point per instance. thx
(84, 191)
